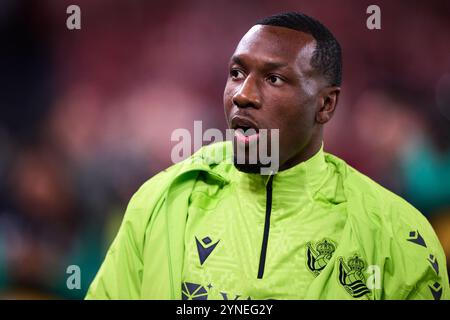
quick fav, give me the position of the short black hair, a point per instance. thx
(327, 57)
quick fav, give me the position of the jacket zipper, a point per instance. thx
(262, 258)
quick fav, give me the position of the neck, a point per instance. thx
(305, 153)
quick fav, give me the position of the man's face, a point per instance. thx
(271, 85)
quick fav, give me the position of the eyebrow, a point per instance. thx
(269, 65)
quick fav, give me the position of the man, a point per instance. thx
(316, 229)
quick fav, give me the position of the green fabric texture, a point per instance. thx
(195, 231)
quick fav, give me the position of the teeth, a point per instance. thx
(246, 131)
(249, 132)
(239, 131)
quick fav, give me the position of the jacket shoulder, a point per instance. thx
(215, 159)
(395, 232)
(376, 201)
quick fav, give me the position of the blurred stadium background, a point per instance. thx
(86, 116)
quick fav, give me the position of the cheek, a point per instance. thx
(295, 121)
(302, 112)
(292, 111)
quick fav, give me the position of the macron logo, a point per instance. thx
(205, 248)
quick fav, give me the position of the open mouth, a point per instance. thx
(245, 129)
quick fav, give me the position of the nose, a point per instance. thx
(248, 95)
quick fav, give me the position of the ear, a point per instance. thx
(328, 99)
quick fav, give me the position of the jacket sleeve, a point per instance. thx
(418, 268)
(431, 279)
(120, 275)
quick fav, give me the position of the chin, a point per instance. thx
(249, 168)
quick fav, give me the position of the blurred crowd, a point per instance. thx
(87, 115)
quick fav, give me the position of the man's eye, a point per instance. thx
(236, 74)
(275, 80)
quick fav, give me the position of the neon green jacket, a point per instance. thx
(320, 230)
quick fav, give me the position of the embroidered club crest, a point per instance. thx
(351, 276)
(318, 256)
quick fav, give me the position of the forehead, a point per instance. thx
(277, 44)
